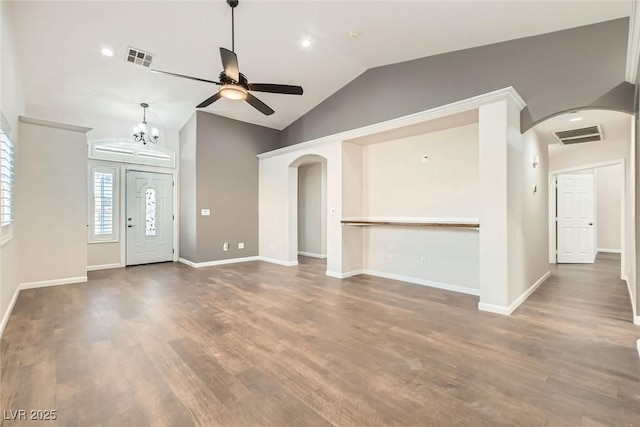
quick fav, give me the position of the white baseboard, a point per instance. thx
(408, 279)
(57, 282)
(498, 309)
(237, 260)
(522, 298)
(219, 262)
(636, 318)
(279, 262)
(7, 313)
(423, 282)
(638, 347)
(343, 275)
(104, 267)
(610, 251)
(312, 255)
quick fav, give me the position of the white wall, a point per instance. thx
(312, 238)
(576, 156)
(608, 182)
(352, 207)
(278, 204)
(51, 196)
(100, 254)
(535, 207)
(397, 185)
(11, 106)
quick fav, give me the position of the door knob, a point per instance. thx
(590, 223)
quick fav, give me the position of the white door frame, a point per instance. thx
(123, 202)
(552, 207)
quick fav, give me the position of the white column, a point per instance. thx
(500, 222)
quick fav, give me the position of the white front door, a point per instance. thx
(576, 231)
(149, 217)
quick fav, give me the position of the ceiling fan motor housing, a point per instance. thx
(232, 3)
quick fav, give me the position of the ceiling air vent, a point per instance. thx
(577, 136)
(139, 57)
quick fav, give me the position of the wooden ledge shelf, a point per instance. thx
(400, 223)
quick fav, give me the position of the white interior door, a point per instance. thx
(149, 214)
(576, 216)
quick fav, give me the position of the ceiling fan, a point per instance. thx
(233, 84)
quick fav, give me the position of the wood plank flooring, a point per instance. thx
(257, 344)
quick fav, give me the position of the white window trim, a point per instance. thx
(114, 169)
(6, 230)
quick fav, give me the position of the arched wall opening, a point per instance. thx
(606, 167)
(308, 207)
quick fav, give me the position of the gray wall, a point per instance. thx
(311, 196)
(226, 182)
(553, 72)
(187, 183)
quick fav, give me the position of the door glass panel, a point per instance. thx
(150, 211)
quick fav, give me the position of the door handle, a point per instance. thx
(131, 225)
(590, 223)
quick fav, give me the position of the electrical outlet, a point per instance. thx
(225, 246)
(205, 212)
(390, 258)
(332, 211)
(241, 245)
(423, 262)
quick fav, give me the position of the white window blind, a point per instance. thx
(103, 204)
(6, 180)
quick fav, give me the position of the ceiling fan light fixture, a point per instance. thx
(233, 92)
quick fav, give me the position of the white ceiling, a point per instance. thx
(615, 126)
(60, 42)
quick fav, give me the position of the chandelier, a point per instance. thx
(140, 131)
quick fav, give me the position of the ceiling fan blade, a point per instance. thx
(259, 105)
(230, 64)
(185, 77)
(209, 100)
(273, 88)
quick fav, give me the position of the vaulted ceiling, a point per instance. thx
(60, 42)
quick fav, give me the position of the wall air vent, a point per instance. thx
(577, 136)
(139, 57)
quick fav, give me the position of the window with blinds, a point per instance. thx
(103, 203)
(103, 200)
(6, 180)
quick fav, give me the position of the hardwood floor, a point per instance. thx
(264, 345)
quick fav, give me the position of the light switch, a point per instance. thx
(240, 245)
(205, 212)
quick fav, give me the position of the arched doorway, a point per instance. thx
(308, 207)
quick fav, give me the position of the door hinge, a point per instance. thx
(173, 251)
(173, 217)
(173, 183)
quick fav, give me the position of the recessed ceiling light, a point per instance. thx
(306, 43)
(575, 119)
(106, 51)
